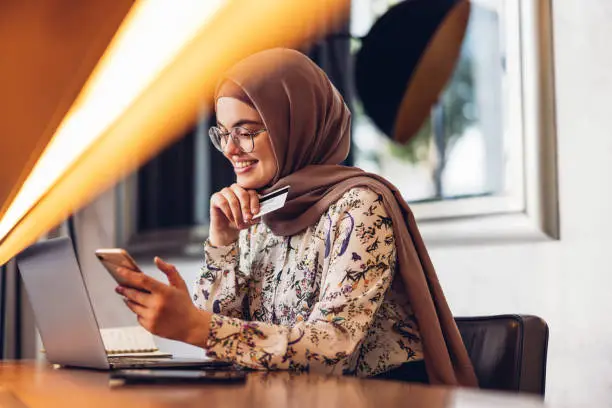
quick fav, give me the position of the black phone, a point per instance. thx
(166, 376)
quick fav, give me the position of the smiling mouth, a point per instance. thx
(244, 166)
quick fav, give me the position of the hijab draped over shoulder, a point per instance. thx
(309, 127)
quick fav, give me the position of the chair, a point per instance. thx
(508, 351)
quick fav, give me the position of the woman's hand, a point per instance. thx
(231, 210)
(165, 310)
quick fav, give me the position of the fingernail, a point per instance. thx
(119, 289)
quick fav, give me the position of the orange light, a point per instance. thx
(145, 91)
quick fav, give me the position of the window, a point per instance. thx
(488, 145)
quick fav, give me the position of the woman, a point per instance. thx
(338, 280)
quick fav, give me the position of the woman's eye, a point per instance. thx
(243, 132)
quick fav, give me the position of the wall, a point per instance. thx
(566, 282)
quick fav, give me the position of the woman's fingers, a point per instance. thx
(174, 277)
(234, 204)
(139, 310)
(219, 201)
(134, 295)
(245, 202)
(138, 280)
(237, 204)
(254, 198)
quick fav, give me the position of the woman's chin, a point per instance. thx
(249, 182)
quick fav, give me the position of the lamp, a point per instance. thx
(132, 106)
(405, 61)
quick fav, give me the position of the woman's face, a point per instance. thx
(256, 169)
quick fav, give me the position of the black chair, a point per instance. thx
(508, 351)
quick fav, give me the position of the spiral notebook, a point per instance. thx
(131, 341)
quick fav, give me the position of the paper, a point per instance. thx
(272, 201)
(132, 339)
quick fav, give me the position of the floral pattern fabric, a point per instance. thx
(322, 300)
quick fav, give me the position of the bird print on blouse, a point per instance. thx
(322, 300)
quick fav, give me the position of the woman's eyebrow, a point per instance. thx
(242, 122)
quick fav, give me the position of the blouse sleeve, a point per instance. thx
(360, 256)
(222, 286)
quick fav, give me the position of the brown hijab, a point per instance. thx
(309, 126)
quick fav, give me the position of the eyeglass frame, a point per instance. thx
(234, 138)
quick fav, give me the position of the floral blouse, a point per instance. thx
(323, 300)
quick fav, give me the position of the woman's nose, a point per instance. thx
(232, 147)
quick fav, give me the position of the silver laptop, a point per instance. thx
(65, 316)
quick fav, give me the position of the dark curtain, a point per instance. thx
(3, 278)
(333, 55)
(10, 312)
(165, 187)
(17, 322)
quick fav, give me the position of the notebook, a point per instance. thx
(131, 341)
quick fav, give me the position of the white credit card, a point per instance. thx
(272, 201)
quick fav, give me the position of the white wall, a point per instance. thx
(568, 283)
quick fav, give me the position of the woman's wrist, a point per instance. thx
(199, 328)
(222, 239)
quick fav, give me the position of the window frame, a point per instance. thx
(530, 211)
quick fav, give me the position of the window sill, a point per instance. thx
(485, 230)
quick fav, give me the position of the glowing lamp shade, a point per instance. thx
(145, 91)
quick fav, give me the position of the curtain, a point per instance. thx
(18, 336)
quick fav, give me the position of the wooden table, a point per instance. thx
(29, 384)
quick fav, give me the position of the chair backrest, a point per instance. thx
(508, 351)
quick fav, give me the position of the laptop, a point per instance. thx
(65, 316)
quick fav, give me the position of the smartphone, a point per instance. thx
(165, 376)
(113, 258)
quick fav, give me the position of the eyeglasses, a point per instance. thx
(243, 138)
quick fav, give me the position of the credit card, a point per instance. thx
(272, 201)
